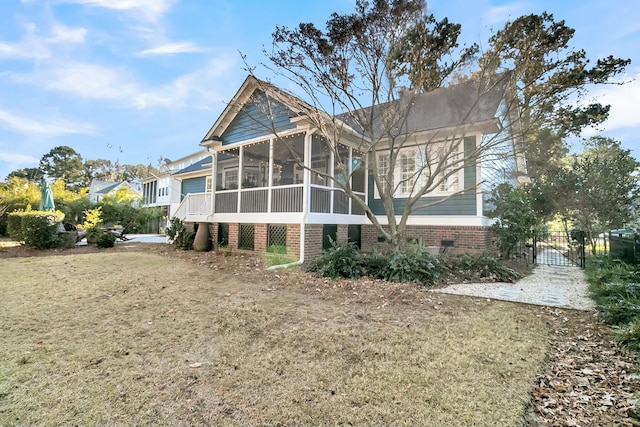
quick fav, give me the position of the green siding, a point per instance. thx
(193, 185)
(462, 204)
(252, 121)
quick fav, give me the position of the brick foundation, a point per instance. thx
(261, 236)
(464, 238)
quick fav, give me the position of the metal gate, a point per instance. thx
(560, 248)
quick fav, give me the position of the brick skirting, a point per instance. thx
(461, 238)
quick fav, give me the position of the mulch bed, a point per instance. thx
(589, 380)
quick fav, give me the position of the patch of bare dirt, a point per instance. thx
(589, 379)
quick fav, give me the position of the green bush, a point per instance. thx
(615, 286)
(179, 235)
(186, 240)
(14, 226)
(484, 265)
(106, 240)
(409, 264)
(340, 260)
(38, 229)
(629, 335)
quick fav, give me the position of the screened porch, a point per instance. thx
(269, 176)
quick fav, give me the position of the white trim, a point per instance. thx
(448, 220)
(257, 218)
(326, 218)
(261, 139)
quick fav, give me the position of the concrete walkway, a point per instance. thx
(556, 286)
(136, 238)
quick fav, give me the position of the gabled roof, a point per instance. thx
(201, 164)
(469, 102)
(108, 188)
(296, 106)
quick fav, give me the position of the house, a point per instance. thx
(271, 177)
(99, 188)
(163, 190)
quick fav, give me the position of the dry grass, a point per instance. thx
(141, 339)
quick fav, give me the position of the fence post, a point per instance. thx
(535, 247)
(583, 255)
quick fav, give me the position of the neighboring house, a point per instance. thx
(98, 189)
(163, 190)
(263, 196)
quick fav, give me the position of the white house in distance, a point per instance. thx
(164, 190)
(270, 174)
(98, 189)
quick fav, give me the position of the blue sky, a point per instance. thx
(134, 80)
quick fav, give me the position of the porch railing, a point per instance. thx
(194, 204)
(284, 199)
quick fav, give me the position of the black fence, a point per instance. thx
(560, 248)
(625, 245)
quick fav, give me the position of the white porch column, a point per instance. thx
(306, 188)
(240, 173)
(270, 176)
(214, 170)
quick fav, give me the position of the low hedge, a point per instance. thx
(39, 229)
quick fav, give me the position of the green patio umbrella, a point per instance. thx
(46, 199)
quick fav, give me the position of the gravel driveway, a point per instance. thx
(553, 286)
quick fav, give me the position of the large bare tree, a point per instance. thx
(374, 78)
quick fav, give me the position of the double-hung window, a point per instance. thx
(415, 165)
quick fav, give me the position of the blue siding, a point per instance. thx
(253, 121)
(462, 204)
(500, 166)
(193, 185)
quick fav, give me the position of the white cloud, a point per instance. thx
(50, 128)
(502, 14)
(62, 33)
(150, 10)
(16, 158)
(94, 81)
(35, 46)
(623, 100)
(172, 48)
(199, 89)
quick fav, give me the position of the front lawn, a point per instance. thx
(134, 338)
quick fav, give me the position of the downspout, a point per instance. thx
(305, 205)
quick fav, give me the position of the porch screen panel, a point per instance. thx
(341, 165)
(288, 160)
(358, 173)
(255, 165)
(320, 157)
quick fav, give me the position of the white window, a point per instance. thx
(208, 185)
(383, 168)
(231, 179)
(407, 171)
(250, 179)
(415, 166)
